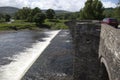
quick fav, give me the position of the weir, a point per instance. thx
(24, 60)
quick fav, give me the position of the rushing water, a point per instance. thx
(19, 50)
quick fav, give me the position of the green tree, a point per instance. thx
(50, 14)
(93, 10)
(23, 13)
(98, 9)
(33, 13)
(17, 16)
(1, 16)
(117, 11)
(108, 12)
(82, 16)
(88, 12)
(7, 18)
(39, 18)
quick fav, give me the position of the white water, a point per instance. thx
(23, 61)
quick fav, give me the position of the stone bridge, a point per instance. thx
(97, 50)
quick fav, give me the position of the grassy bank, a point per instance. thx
(21, 24)
(17, 25)
(56, 24)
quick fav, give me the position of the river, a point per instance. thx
(19, 50)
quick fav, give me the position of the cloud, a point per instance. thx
(69, 5)
(15, 3)
(108, 4)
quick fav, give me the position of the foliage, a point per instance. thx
(18, 25)
(39, 18)
(21, 24)
(22, 14)
(50, 14)
(88, 11)
(57, 24)
(109, 12)
(68, 16)
(113, 12)
(98, 9)
(117, 11)
(7, 18)
(82, 16)
(33, 13)
(27, 14)
(2, 17)
(93, 10)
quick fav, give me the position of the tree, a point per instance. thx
(23, 13)
(88, 12)
(17, 16)
(108, 12)
(98, 10)
(7, 18)
(1, 16)
(117, 11)
(33, 13)
(39, 18)
(93, 10)
(50, 14)
(82, 14)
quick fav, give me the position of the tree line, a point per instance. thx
(93, 9)
(4, 17)
(34, 15)
(112, 12)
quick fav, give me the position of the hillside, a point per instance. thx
(12, 10)
(8, 10)
(108, 12)
(109, 9)
(58, 11)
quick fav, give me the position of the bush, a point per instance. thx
(59, 24)
(39, 18)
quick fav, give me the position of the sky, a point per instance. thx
(68, 5)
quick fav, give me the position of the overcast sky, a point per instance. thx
(69, 5)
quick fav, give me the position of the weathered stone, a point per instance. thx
(86, 37)
(109, 50)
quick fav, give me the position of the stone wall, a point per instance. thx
(86, 37)
(109, 50)
(94, 43)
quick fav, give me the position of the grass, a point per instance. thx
(18, 24)
(21, 24)
(56, 24)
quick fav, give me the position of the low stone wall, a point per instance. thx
(86, 37)
(93, 43)
(109, 50)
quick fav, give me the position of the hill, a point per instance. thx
(109, 12)
(11, 10)
(58, 11)
(8, 10)
(109, 9)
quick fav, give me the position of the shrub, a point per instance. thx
(39, 18)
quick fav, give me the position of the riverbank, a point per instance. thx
(21, 25)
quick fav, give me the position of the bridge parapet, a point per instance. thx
(109, 50)
(92, 40)
(86, 35)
